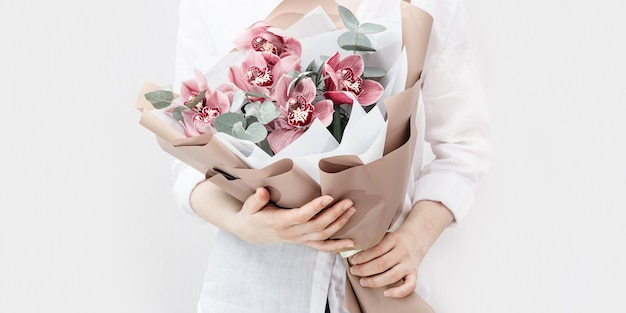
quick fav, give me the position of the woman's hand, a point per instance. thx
(311, 225)
(398, 255)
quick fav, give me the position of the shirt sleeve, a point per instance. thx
(456, 122)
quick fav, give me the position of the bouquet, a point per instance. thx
(260, 118)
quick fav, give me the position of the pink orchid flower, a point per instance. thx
(193, 87)
(198, 119)
(344, 80)
(262, 37)
(259, 70)
(297, 112)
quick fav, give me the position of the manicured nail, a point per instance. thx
(363, 282)
(327, 200)
(347, 205)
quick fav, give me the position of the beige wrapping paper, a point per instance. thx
(377, 188)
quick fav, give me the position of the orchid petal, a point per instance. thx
(306, 88)
(333, 60)
(280, 92)
(353, 62)
(202, 81)
(286, 65)
(279, 138)
(323, 111)
(339, 97)
(332, 81)
(370, 93)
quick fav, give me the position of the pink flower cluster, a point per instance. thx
(272, 56)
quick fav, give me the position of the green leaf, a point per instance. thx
(265, 145)
(239, 97)
(256, 132)
(311, 67)
(196, 99)
(264, 112)
(160, 99)
(349, 20)
(348, 38)
(225, 122)
(354, 41)
(371, 28)
(373, 72)
(358, 48)
(178, 113)
(256, 95)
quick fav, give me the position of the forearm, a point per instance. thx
(426, 221)
(215, 206)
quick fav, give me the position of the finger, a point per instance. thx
(327, 222)
(306, 212)
(331, 245)
(256, 201)
(375, 266)
(377, 251)
(405, 289)
(386, 278)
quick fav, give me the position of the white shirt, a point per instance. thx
(452, 121)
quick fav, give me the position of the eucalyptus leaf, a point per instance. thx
(264, 112)
(373, 72)
(348, 38)
(354, 41)
(348, 18)
(265, 145)
(311, 67)
(178, 113)
(160, 99)
(256, 132)
(358, 48)
(371, 28)
(225, 122)
(256, 95)
(196, 99)
(239, 97)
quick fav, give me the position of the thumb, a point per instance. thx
(256, 201)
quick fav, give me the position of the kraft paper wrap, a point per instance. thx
(377, 188)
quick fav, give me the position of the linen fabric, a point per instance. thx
(452, 124)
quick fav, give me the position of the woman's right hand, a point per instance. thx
(311, 224)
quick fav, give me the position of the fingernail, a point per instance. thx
(386, 293)
(327, 200)
(363, 282)
(347, 205)
(352, 261)
(351, 212)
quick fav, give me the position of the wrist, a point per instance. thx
(215, 206)
(425, 223)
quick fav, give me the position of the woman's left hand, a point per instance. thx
(398, 255)
(393, 259)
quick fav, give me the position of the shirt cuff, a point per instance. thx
(449, 189)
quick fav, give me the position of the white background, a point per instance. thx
(88, 223)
